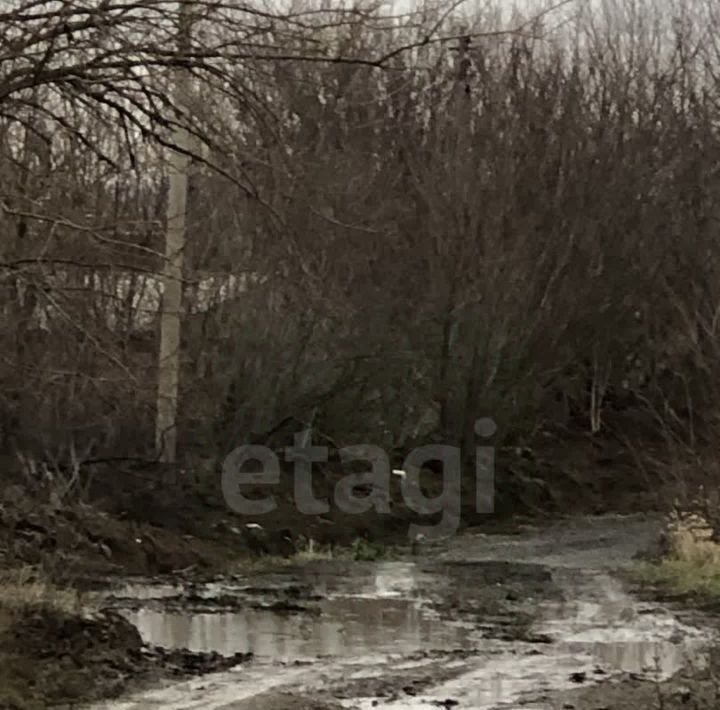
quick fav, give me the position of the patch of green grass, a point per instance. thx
(691, 565)
(367, 551)
(683, 577)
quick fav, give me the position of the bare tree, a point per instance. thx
(405, 241)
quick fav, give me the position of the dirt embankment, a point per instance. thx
(73, 541)
(146, 518)
(50, 658)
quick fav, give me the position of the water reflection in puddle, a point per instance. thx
(377, 609)
(343, 628)
(657, 659)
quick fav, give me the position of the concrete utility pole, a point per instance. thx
(172, 273)
(463, 91)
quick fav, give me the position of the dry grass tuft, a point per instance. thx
(690, 539)
(691, 564)
(26, 589)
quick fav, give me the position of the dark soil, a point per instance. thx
(691, 689)
(501, 598)
(285, 701)
(49, 659)
(78, 540)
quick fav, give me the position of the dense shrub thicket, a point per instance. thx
(521, 226)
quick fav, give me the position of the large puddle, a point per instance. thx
(341, 612)
(323, 610)
(342, 628)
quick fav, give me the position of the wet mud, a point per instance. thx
(544, 619)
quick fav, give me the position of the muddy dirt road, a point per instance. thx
(481, 622)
